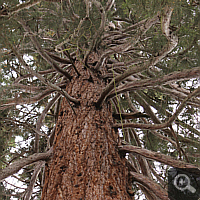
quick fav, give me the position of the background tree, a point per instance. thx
(93, 93)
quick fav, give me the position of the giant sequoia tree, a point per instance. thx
(103, 94)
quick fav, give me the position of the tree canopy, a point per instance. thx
(151, 52)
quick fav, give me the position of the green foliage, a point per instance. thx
(54, 23)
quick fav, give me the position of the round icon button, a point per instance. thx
(182, 182)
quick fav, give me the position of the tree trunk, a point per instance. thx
(86, 163)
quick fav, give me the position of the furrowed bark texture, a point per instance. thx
(86, 163)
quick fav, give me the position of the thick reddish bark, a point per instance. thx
(86, 163)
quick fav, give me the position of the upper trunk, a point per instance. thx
(86, 163)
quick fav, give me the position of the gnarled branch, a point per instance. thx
(151, 185)
(156, 156)
(19, 164)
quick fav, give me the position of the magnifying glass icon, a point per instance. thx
(182, 182)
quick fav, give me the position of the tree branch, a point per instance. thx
(168, 160)
(130, 115)
(27, 125)
(150, 113)
(151, 82)
(151, 185)
(41, 78)
(100, 30)
(17, 165)
(41, 118)
(42, 52)
(118, 79)
(20, 7)
(178, 95)
(165, 124)
(19, 100)
(130, 43)
(173, 41)
(29, 189)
